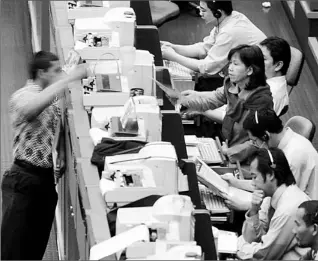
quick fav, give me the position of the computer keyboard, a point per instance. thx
(209, 151)
(178, 71)
(213, 203)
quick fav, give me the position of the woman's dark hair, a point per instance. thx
(251, 56)
(226, 6)
(279, 167)
(41, 61)
(311, 212)
(261, 121)
(279, 49)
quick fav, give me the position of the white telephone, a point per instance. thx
(144, 99)
(160, 149)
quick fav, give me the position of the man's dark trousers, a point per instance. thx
(29, 200)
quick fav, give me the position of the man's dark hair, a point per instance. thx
(261, 121)
(226, 6)
(281, 169)
(41, 61)
(311, 212)
(279, 50)
(251, 56)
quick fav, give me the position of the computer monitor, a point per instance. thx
(142, 11)
(172, 131)
(147, 38)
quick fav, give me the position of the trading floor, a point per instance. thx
(16, 49)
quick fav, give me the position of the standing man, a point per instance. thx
(29, 196)
(306, 228)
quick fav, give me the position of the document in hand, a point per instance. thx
(174, 95)
(214, 182)
(73, 59)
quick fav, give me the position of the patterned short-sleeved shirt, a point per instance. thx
(33, 139)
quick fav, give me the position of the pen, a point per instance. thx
(239, 170)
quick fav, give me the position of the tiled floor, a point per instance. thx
(51, 252)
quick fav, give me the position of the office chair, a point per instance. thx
(163, 11)
(295, 68)
(302, 126)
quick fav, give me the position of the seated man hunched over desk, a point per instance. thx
(231, 29)
(267, 231)
(265, 128)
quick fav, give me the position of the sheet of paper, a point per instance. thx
(243, 196)
(191, 140)
(73, 59)
(211, 179)
(227, 242)
(175, 95)
(97, 135)
(192, 152)
(119, 242)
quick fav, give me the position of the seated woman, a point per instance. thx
(244, 91)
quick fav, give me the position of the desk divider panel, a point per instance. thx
(88, 193)
(81, 182)
(83, 201)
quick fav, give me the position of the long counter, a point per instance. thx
(81, 215)
(81, 212)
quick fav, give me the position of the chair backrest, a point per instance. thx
(295, 67)
(142, 11)
(163, 11)
(302, 126)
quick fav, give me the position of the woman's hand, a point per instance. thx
(168, 53)
(166, 44)
(188, 93)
